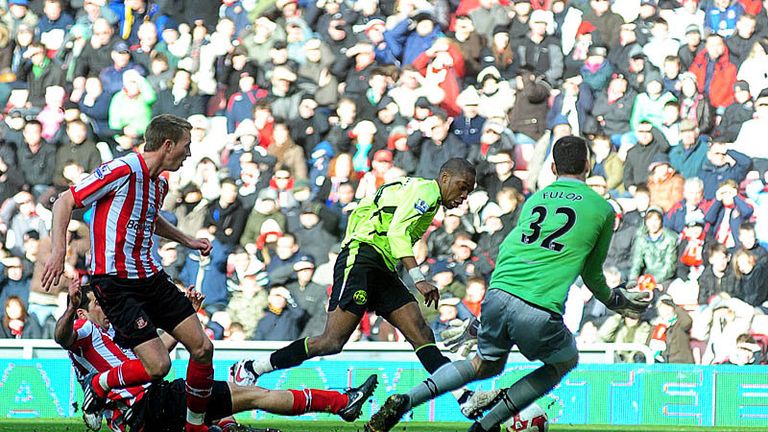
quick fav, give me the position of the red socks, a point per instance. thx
(313, 400)
(199, 386)
(128, 374)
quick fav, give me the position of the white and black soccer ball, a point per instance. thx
(531, 419)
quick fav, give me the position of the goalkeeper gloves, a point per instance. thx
(461, 337)
(626, 303)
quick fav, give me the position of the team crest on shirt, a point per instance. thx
(140, 323)
(102, 171)
(421, 206)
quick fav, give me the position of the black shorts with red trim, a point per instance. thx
(136, 308)
(164, 408)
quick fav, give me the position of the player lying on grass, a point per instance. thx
(86, 334)
(564, 232)
(381, 232)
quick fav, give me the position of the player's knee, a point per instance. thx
(203, 352)
(158, 369)
(564, 367)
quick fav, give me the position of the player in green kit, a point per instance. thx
(563, 232)
(381, 232)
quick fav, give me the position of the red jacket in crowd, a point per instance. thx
(721, 88)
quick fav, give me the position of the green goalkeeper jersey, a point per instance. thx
(563, 232)
(395, 218)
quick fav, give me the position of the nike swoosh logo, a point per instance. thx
(239, 377)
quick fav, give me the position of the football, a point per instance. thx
(531, 419)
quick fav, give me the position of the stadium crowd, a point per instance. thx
(301, 108)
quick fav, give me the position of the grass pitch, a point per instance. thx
(75, 425)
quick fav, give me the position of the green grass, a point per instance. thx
(320, 426)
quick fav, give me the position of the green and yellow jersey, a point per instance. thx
(563, 232)
(395, 218)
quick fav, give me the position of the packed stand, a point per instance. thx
(301, 109)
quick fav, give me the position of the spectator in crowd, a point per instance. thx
(676, 323)
(736, 114)
(470, 304)
(247, 304)
(687, 157)
(664, 184)
(694, 105)
(718, 276)
(748, 240)
(715, 74)
(226, 217)
(17, 323)
(691, 207)
(77, 148)
(750, 274)
(650, 142)
(749, 133)
(283, 319)
(619, 329)
(14, 280)
(448, 311)
(722, 164)
(655, 249)
(692, 45)
(613, 110)
(727, 213)
(309, 296)
(36, 158)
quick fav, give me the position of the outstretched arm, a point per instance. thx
(165, 229)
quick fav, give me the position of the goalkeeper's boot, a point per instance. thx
(92, 421)
(357, 398)
(242, 373)
(480, 402)
(92, 402)
(476, 427)
(390, 414)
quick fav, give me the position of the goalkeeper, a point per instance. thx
(564, 232)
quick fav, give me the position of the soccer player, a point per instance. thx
(381, 231)
(85, 332)
(563, 233)
(125, 196)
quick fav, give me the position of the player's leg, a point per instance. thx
(494, 344)
(347, 405)
(347, 304)
(526, 391)
(542, 335)
(406, 317)
(170, 310)
(123, 305)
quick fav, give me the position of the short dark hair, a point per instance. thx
(229, 181)
(717, 248)
(458, 167)
(747, 226)
(570, 154)
(165, 127)
(33, 122)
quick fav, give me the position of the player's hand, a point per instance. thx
(203, 245)
(461, 336)
(195, 297)
(75, 294)
(628, 303)
(430, 293)
(53, 270)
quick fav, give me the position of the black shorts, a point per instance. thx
(138, 307)
(362, 281)
(164, 407)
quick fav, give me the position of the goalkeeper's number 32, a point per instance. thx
(549, 241)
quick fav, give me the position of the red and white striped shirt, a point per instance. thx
(126, 202)
(94, 350)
